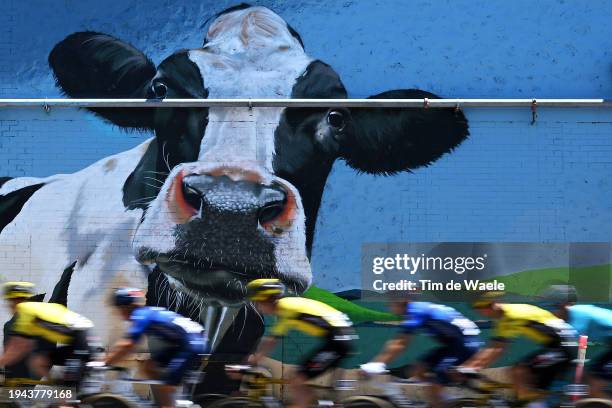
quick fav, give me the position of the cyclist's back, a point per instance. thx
(309, 316)
(444, 323)
(49, 321)
(594, 321)
(164, 325)
(535, 323)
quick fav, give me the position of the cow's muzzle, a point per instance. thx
(229, 226)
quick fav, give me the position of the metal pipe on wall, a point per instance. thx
(300, 103)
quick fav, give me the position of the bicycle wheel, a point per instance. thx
(366, 401)
(594, 403)
(206, 400)
(107, 400)
(465, 403)
(237, 402)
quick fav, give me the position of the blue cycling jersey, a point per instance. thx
(593, 321)
(163, 324)
(444, 323)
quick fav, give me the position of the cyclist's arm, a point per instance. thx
(280, 329)
(120, 350)
(398, 344)
(393, 348)
(487, 356)
(16, 349)
(265, 347)
(140, 322)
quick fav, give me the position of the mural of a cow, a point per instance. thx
(220, 195)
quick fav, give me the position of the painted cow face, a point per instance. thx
(232, 194)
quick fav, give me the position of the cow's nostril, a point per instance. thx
(273, 202)
(270, 211)
(192, 196)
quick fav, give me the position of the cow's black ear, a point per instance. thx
(94, 65)
(390, 140)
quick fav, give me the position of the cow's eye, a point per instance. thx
(159, 89)
(336, 119)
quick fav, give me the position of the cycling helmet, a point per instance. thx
(128, 296)
(486, 299)
(557, 295)
(265, 289)
(18, 290)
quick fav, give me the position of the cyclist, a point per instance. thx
(537, 371)
(15, 293)
(457, 336)
(50, 333)
(179, 342)
(310, 317)
(590, 320)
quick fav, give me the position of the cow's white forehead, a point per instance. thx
(252, 34)
(250, 53)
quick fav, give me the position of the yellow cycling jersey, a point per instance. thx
(50, 321)
(532, 322)
(308, 316)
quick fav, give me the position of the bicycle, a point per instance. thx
(488, 393)
(95, 393)
(259, 382)
(391, 397)
(494, 394)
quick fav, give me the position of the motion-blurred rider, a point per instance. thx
(457, 336)
(538, 370)
(49, 332)
(592, 321)
(181, 342)
(15, 293)
(310, 317)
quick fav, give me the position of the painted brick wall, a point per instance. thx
(510, 181)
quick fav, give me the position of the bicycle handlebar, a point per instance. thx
(240, 368)
(109, 368)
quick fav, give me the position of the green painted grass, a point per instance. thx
(357, 314)
(594, 282)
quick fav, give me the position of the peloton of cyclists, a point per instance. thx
(55, 336)
(457, 338)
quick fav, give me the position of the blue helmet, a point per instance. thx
(128, 296)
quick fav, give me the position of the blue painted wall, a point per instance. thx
(509, 182)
